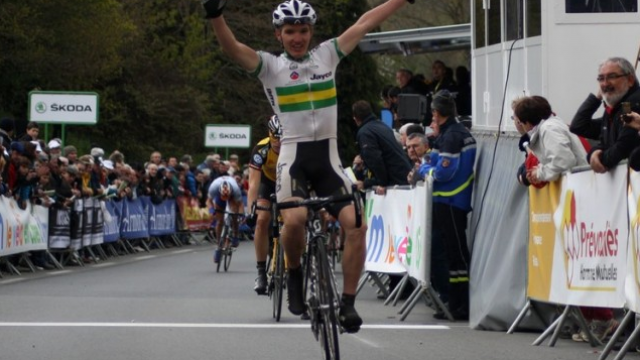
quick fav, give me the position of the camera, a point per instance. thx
(626, 110)
(412, 108)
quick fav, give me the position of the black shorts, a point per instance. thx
(267, 187)
(314, 165)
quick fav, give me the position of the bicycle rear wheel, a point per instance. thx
(328, 303)
(221, 248)
(278, 282)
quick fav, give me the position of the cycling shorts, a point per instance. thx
(267, 187)
(314, 165)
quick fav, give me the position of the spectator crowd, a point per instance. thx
(53, 174)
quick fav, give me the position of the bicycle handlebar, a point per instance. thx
(316, 203)
(228, 212)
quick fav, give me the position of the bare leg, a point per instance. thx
(354, 250)
(292, 236)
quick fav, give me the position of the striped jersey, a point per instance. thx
(303, 93)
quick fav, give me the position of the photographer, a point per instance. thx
(617, 84)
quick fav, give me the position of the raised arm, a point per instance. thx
(242, 54)
(366, 23)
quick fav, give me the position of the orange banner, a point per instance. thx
(194, 218)
(543, 203)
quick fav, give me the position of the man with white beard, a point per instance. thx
(617, 84)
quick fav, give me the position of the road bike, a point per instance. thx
(276, 265)
(320, 287)
(228, 241)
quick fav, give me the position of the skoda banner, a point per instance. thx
(228, 136)
(63, 107)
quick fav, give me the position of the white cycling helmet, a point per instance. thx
(294, 12)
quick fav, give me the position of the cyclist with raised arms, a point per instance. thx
(224, 191)
(300, 86)
(262, 183)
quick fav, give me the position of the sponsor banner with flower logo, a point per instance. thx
(22, 230)
(589, 255)
(399, 230)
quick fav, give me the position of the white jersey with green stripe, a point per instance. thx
(303, 93)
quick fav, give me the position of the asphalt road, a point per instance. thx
(171, 304)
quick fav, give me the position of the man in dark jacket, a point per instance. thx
(384, 157)
(618, 84)
(381, 153)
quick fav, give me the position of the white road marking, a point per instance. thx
(104, 264)
(211, 326)
(145, 257)
(57, 272)
(11, 281)
(181, 251)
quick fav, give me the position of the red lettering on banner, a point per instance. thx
(598, 243)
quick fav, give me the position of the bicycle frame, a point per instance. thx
(225, 246)
(319, 286)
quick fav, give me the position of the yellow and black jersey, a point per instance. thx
(263, 158)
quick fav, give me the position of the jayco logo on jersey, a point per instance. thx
(321, 76)
(294, 75)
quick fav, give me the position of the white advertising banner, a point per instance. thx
(632, 279)
(399, 230)
(63, 108)
(589, 261)
(227, 136)
(20, 230)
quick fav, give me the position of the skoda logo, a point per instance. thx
(41, 107)
(212, 136)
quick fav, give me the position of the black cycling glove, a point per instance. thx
(213, 8)
(251, 220)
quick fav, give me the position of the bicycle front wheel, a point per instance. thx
(278, 282)
(228, 251)
(328, 303)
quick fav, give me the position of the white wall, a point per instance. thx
(560, 65)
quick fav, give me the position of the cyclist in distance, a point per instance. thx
(225, 191)
(300, 86)
(262, 183)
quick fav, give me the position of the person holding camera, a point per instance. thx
(618, 84)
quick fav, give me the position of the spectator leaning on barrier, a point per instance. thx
(557, 149)
(617, 84)
(451, 164)
(378, 148)
(54, 147)
(71, 153)
(383, 156)
(417, 147)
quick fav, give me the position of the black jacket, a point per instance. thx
(382, 154)
(616, 140)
